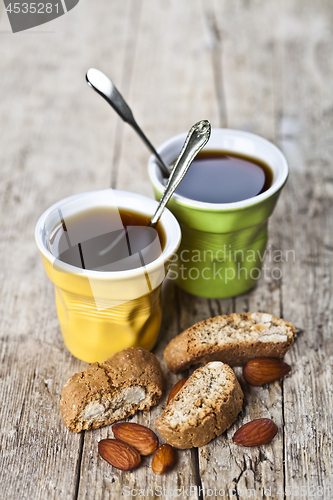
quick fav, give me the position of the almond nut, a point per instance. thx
(255, 433)
(176, 388)
(120, 455)
(163, 459)
(140, 437)
(261, 371)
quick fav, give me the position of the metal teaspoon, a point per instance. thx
(104, 87)
(196, 139)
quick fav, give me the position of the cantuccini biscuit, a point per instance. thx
(206, 405)
(128, 381)
(233, 339)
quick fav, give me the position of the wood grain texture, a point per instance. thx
(307, 282)
(260, 66)
(55, 136)
(248, 80)
(165, 102)
(167, 92)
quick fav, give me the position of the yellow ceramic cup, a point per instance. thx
(99, 312)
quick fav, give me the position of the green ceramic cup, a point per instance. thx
(223, 244)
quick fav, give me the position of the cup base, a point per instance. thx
(216, 294)
(92, 335)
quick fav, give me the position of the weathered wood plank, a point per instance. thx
(309, 463)
(244, 30)
(55, 141)
(307, 297)
(172, 85)
(248, 80)
(306, 118)
(167, 95)
(257, 66)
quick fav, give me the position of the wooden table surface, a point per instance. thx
(261, 66)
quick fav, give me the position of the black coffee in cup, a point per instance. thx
(105, 239)
(222, 177)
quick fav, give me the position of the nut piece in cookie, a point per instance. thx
(206, 405)
(129, 381)
(233, 339)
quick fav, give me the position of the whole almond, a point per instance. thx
(163, 459)
(255, 433)
(261, 371)
(120, 455)
(140, 437)
(176, 388)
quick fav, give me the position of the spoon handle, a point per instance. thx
(163, 166)
(196, 139)
(104, 87)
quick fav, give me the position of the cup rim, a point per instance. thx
(169, 223)
(153, 170)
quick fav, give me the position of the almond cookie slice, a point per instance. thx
(129, 381)
(206, 405)
(233, 339)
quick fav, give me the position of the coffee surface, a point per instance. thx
(221, 177)
(104, 239)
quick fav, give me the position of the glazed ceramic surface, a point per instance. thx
(223, 244)
(101, 313)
